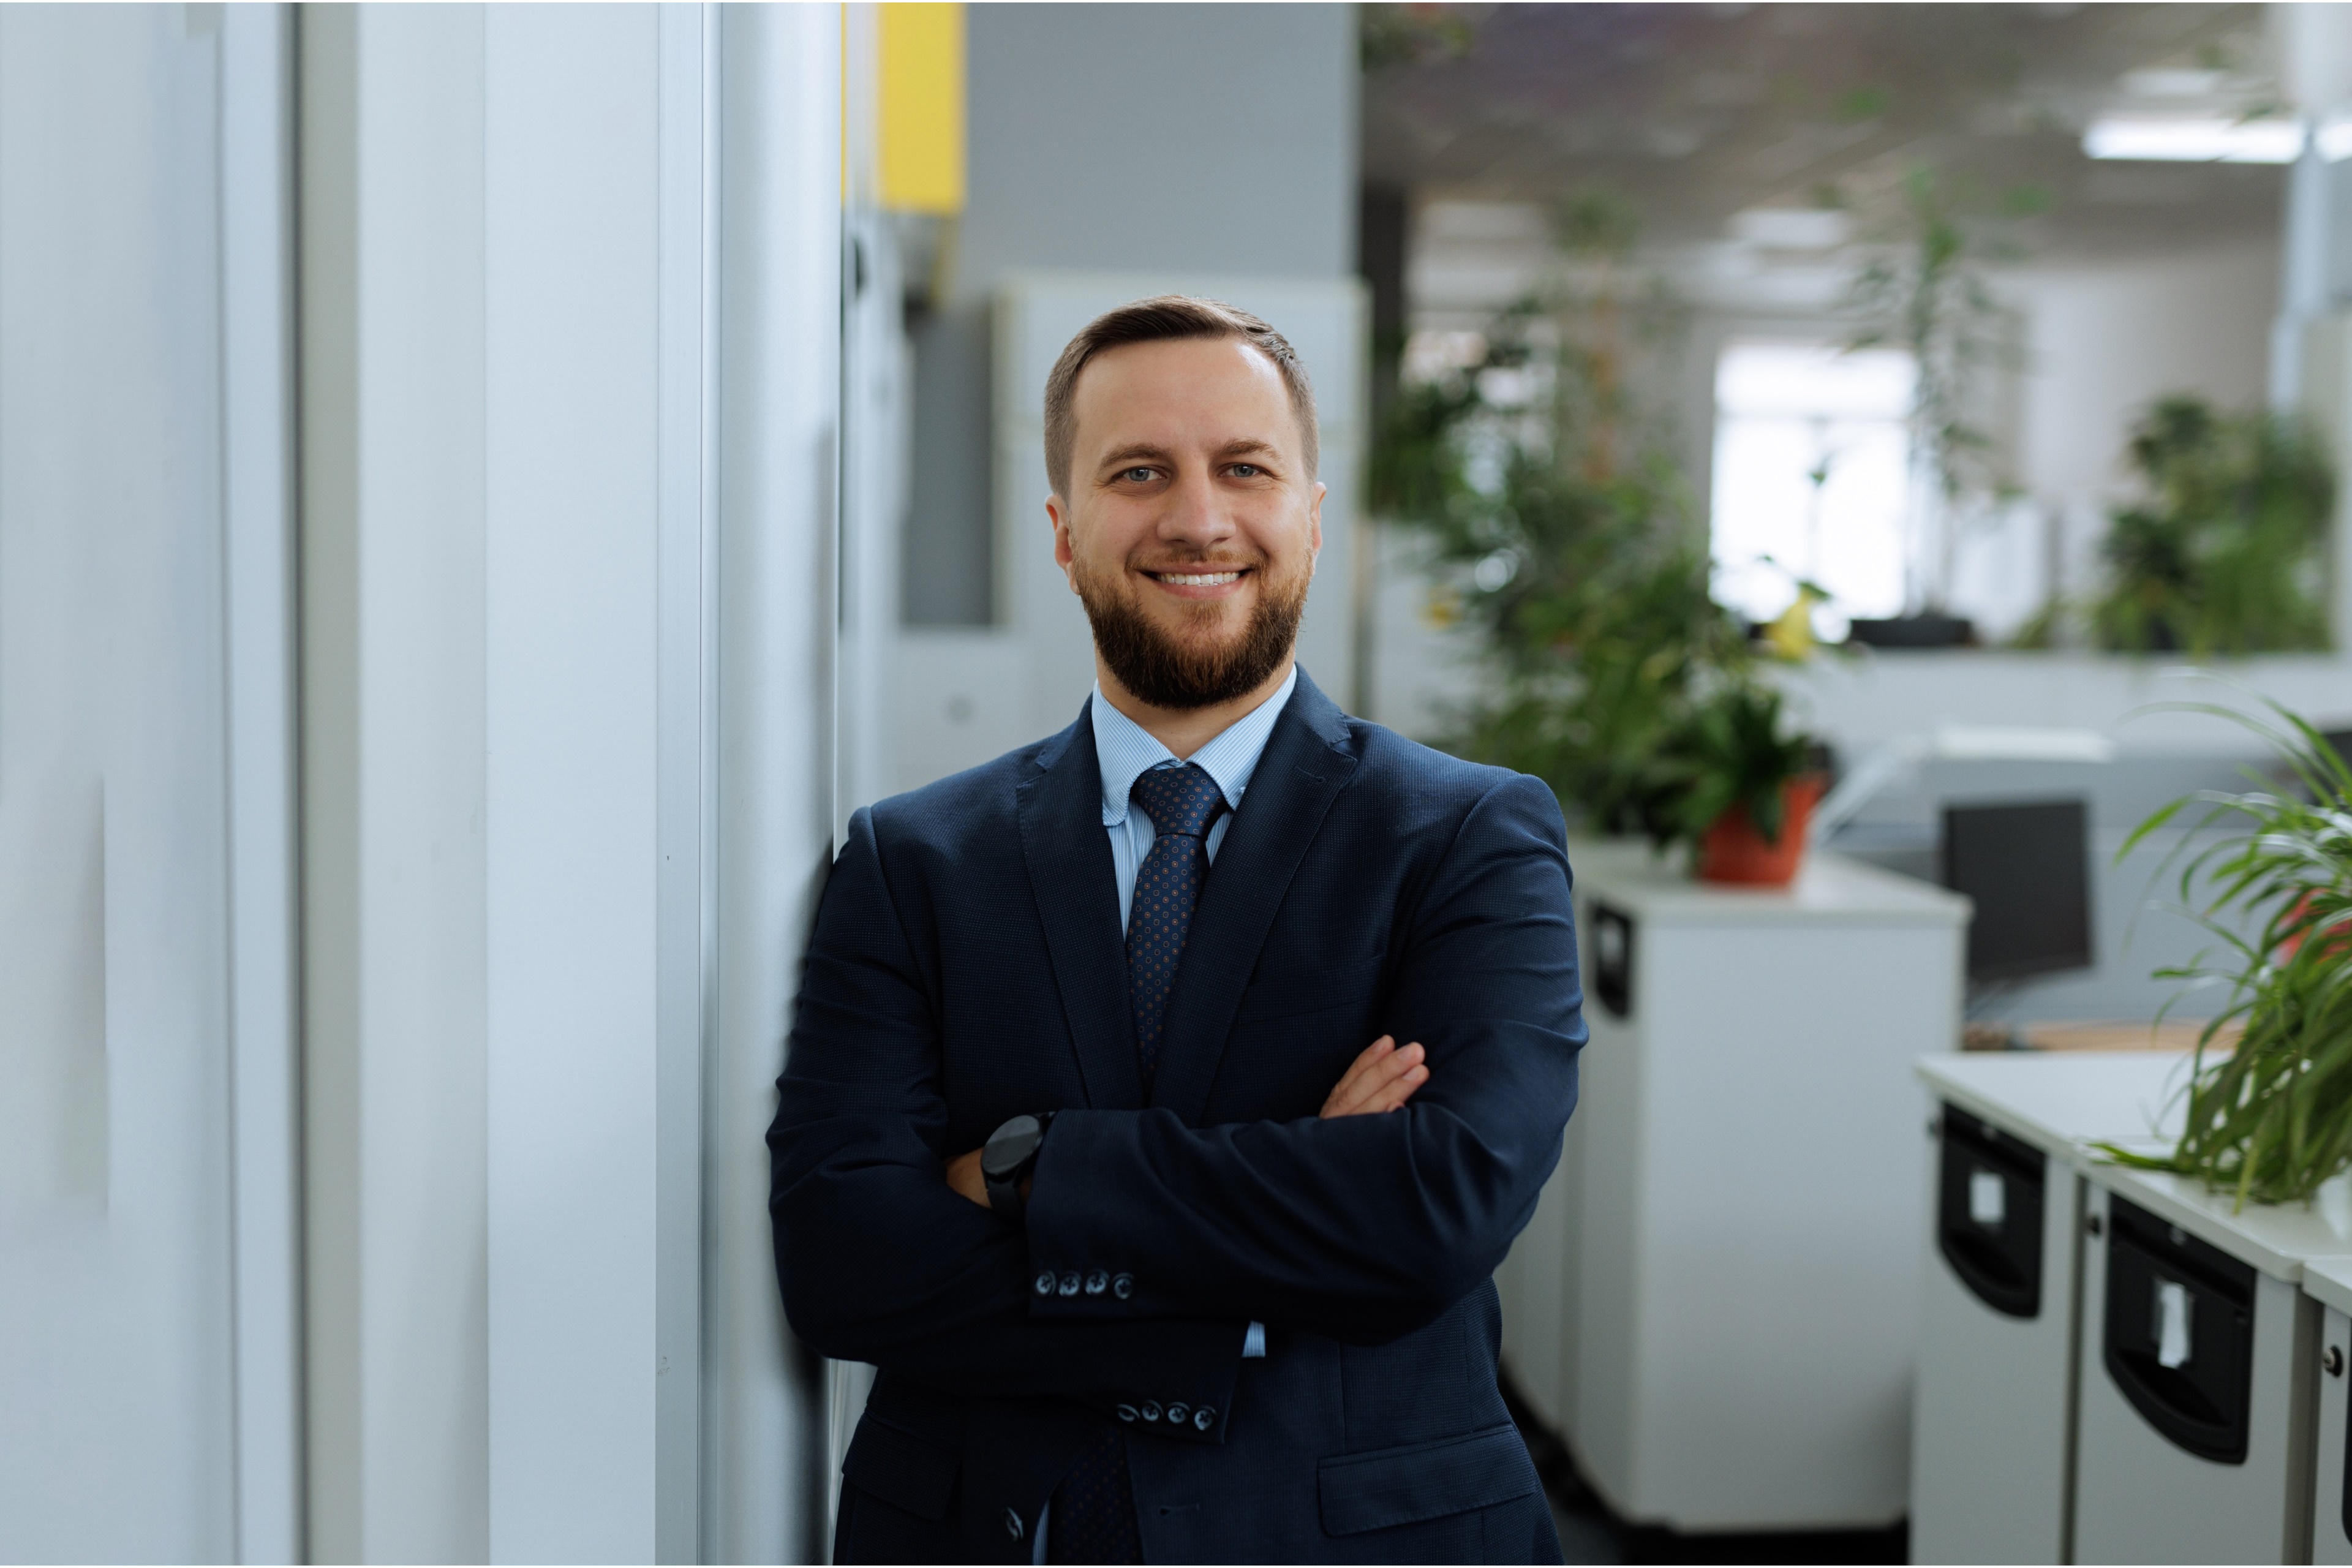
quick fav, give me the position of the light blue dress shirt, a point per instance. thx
(1125, 750)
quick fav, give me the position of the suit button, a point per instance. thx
(1204, 1417)
(1151, 1410)
(1178, 1411)
(1097, 1282)
(1122, 1286)
(1045, 1284)
(1013, 1524)
(1069, 1284)
(1126, 1412)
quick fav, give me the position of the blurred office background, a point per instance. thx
(486, 491)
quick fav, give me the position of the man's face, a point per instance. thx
(1192, 525)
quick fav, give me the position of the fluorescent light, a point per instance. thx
(2334, 139)
(2174, 140)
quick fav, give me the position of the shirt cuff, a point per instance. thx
(1253, 1343)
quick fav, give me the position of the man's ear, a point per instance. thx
(1057, 512)
(1314, 521)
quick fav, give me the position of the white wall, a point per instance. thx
(2104, 341)
(569, 317)
(568, 525)
(145, 1243)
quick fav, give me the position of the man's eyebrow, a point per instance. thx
(1249, 447)
(1131, 453)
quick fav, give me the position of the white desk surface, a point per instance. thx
(2060, 1101)
(1830, 889)
(2279, 1240)
(2328, 1281)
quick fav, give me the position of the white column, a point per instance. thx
(574, 579)
(395, 978)
(2311, 341)
(780, 299)
(256, 239)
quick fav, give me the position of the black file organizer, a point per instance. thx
(2347, 1468)
(1612, 959)
(2002, 1264)
(2202, 1406)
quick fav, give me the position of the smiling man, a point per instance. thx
(1096, 1133)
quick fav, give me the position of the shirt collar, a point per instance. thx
(1124, 750)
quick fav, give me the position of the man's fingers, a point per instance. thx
(1393, 1096)
(1355, 1083)
(1382, 1079)
(1373, 1073)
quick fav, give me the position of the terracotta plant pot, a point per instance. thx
(2339, 943)
(1733, 851)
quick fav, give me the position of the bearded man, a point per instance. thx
(1162, 1095)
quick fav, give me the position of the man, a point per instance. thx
(1096, 1137)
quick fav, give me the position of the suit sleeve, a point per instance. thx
(879, 1260)
(1361, 1228)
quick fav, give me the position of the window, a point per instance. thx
(1811, 462)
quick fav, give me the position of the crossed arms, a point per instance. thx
(1360, 1226)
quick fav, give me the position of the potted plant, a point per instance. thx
(1928, 293)
(2226, 550)
(1545, 483)
(2271, 1119)
(1732, 781)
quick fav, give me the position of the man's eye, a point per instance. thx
(1139, 475)
(1246, 471)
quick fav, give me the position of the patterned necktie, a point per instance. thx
(1093, 1517)
(1181, 803)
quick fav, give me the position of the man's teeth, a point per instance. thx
(1199, 579)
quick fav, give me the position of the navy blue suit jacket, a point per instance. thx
(967, 967)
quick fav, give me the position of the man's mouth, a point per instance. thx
(1195, 579)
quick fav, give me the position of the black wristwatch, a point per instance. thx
(1008, 1158)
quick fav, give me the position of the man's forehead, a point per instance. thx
(1217, 392)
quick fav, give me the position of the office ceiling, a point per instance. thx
(1695, 112)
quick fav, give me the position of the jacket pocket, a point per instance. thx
(1426, 1480)
(900, 1468)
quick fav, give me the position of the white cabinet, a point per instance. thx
(2197, 1367)
(1718, 1295)
(1992, 1423)
(2328, 1281)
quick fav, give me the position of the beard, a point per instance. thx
(1182, 673)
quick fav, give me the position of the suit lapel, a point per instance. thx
(1301, 772)
(1077, 893)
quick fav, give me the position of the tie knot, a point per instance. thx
(1180, 801)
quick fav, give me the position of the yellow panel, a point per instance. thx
(921, 47)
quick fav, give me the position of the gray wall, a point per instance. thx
(1118, 138)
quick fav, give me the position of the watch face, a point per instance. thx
(1011, 1145)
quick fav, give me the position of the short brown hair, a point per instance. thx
(1162, 319)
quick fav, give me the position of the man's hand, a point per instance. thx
(963, 1175)
(1383, 1079)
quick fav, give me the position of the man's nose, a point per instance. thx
(1195, 514)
